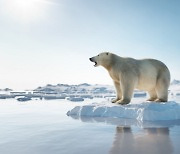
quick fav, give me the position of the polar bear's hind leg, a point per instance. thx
(162, 89)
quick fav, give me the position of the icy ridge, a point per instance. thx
(145, 111)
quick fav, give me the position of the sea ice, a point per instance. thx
(146, 111)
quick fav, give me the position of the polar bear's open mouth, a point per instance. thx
(95, 63)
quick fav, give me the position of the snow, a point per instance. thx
(145, 111)
(175, 88)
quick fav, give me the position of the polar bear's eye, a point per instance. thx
(107, 53)
(98, 55)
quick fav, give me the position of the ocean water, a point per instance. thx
(42, 127)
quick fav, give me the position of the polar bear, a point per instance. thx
(128, 74)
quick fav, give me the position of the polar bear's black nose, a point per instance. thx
(90, 59)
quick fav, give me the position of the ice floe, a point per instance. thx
(146, 111)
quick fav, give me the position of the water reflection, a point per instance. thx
(151, 141)
(138, 137)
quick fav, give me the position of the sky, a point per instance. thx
(50, 41)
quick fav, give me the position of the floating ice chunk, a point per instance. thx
(146, 111)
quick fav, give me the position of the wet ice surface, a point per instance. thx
(42, 127)
(145, 111)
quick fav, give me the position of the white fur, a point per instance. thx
(128, 74)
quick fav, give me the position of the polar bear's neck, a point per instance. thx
(114, 59)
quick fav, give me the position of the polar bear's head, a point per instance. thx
(103, 59)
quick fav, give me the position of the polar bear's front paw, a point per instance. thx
(115, 100)
(123, 101)
(151, 99)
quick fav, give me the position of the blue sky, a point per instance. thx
(50, 41)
